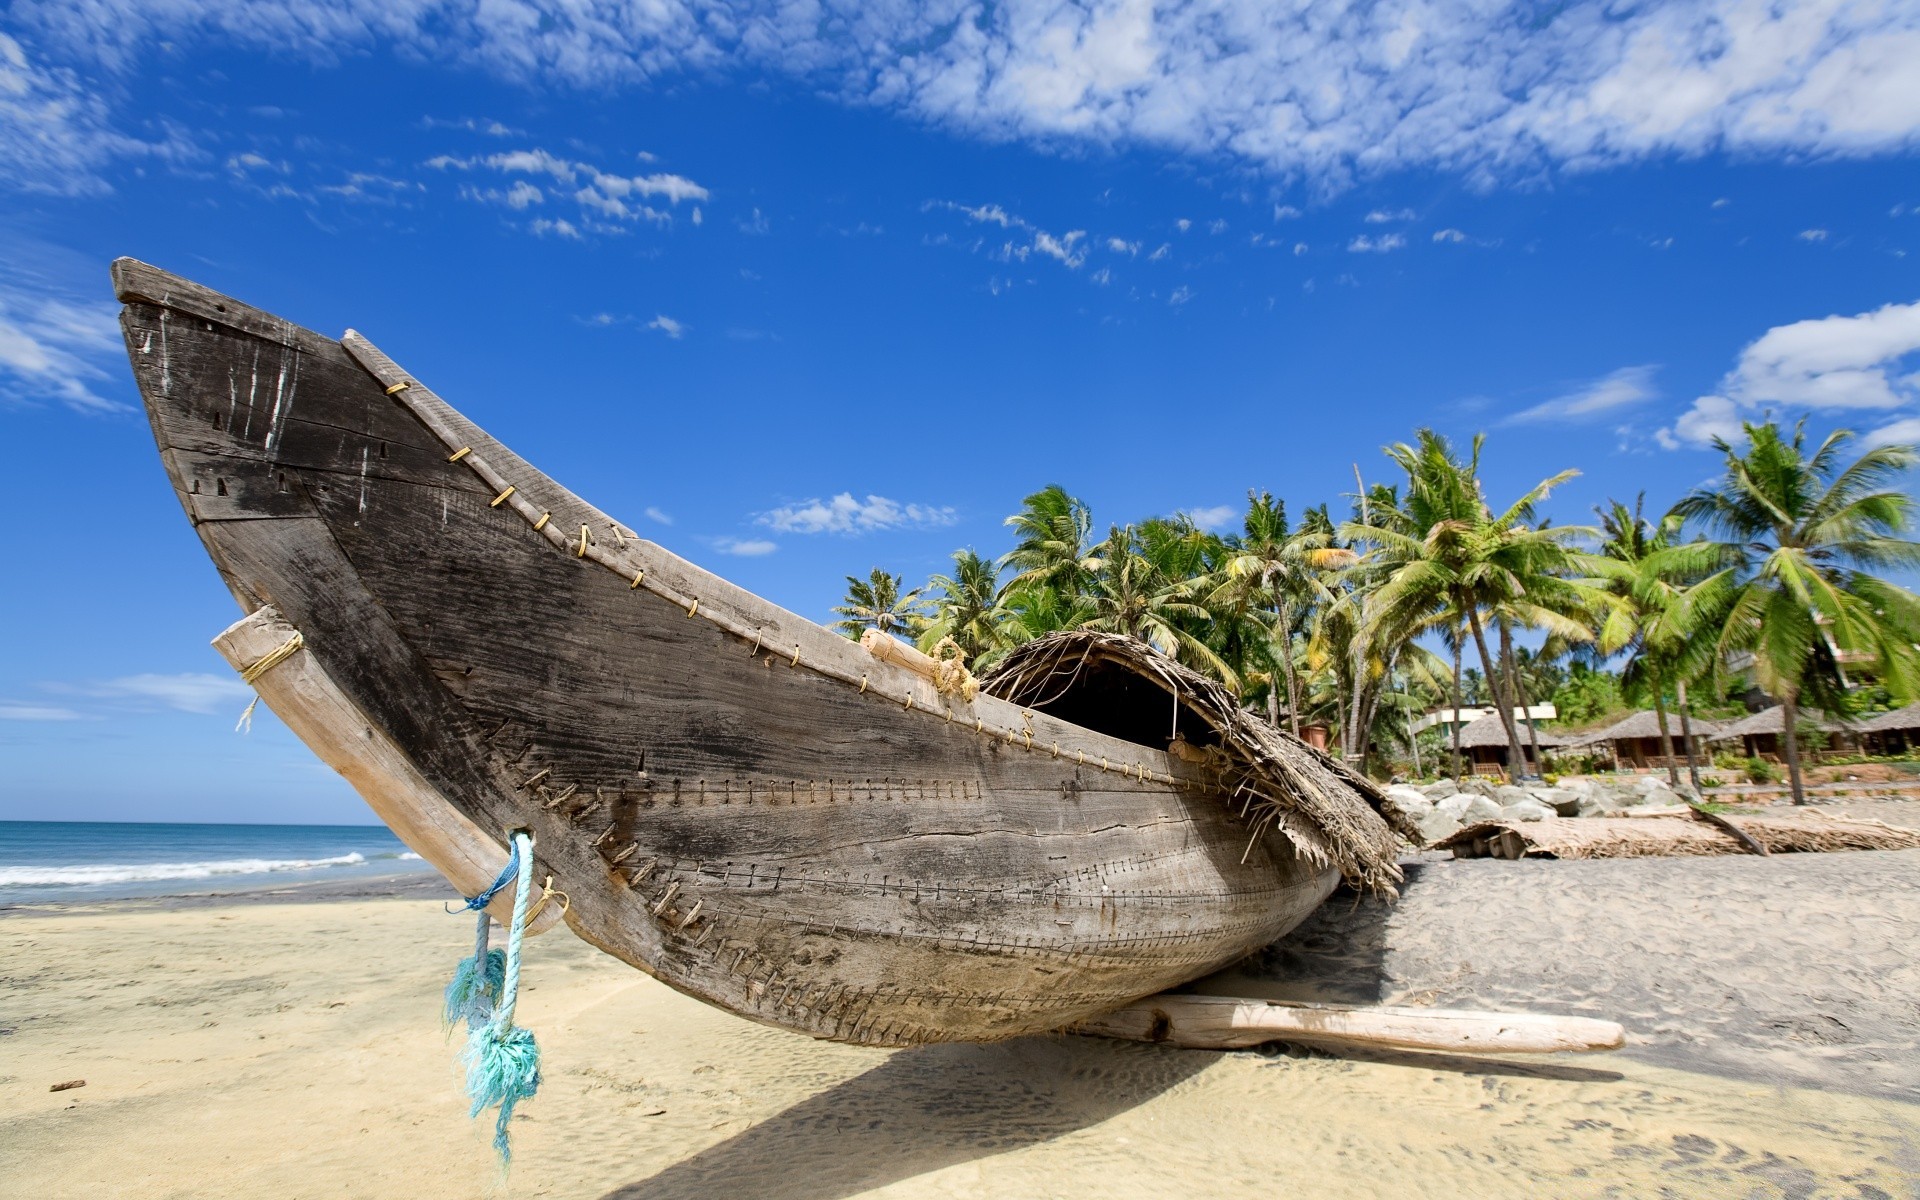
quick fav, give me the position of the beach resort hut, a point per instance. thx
(1484, 741)
(1759, 733)
(1635, 741)
(1893, 732)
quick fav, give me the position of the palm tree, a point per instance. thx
(876, 603)
(1444, 557)
(1286, 570)
(968, 609)
(1800, 539)
(1652, 602)
(1051, 530)
(1133, 592)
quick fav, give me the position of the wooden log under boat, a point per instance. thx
(747, 806)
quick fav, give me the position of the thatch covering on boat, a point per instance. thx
(1644, 724)
(1773, 720)
(1679, 835)
(1489, 731)
(1124, 687)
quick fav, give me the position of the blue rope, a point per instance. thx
(476, 903)
(503, 1062)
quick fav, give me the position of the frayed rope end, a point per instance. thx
(470, 998)
(503, 1068)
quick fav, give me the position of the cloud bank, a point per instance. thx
(1323, 90)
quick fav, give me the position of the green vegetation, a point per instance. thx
(1340, 623)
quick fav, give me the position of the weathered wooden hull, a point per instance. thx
(738, 802)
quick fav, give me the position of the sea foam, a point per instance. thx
(155, 872)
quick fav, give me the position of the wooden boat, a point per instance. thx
(758, 812)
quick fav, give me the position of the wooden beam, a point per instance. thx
(1232, 1023)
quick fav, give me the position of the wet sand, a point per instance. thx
(292, 1049)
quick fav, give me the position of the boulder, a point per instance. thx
(1440, 791)
(1563, 801)
(1436, 825)
(1590, 805)
(1479, 808)
(1661, 797)
(1454, 806)
(1528, 810)
(1409, 800)
(1504, 795)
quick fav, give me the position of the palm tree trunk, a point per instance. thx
(1791, 711)
(1686, 735)
(1515, 759)
(1286, 665)
(1519, 694)
(1666, 739)
(1459, 644)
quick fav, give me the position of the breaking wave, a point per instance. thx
(156, 872)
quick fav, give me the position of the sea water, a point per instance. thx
(64, 862)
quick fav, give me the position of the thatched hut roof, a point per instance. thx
(1899, 718)
(1773, 720)
(1645, 724)
(1328, 813)
(1488, 731)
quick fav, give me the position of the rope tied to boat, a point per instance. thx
(950, 674)
(475, 987)
(261, 666)
(502, 1059)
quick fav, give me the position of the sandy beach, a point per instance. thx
(287, 1045)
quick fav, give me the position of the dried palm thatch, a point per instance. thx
(1121, 685)
(1660, 837)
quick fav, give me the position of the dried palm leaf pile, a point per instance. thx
(1123, 686)
(1676, 835)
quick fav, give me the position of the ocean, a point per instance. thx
(63, 862)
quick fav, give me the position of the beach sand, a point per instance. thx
(236, 1047)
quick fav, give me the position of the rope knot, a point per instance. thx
(950, 674)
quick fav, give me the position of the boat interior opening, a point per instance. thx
(1111, 698)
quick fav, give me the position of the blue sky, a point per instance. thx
(800, 289)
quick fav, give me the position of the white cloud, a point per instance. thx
(745, 547)
(1828, 363)
(1812, 235)
(1103, 276)
(1285, 212)
(1487, 89)
(667, 325)
(1217, 226)
(1164, 251)
(844, 514)
(1061, 248)
(1383, 244)
(1299, 248)
(655, 514)
(1381, 216)
(188, 692)
(12, 710)
(1905, 431)
(1122, 246)
(1183, 224)
(1180, 296)
(1213, 518)
(1624, 388)
(57, 132)
(55, 349)
(1449, 235)
(603, 196)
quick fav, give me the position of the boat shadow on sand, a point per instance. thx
(926, 1109)
(923, 1110)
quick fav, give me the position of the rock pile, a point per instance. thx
(1443, 809)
